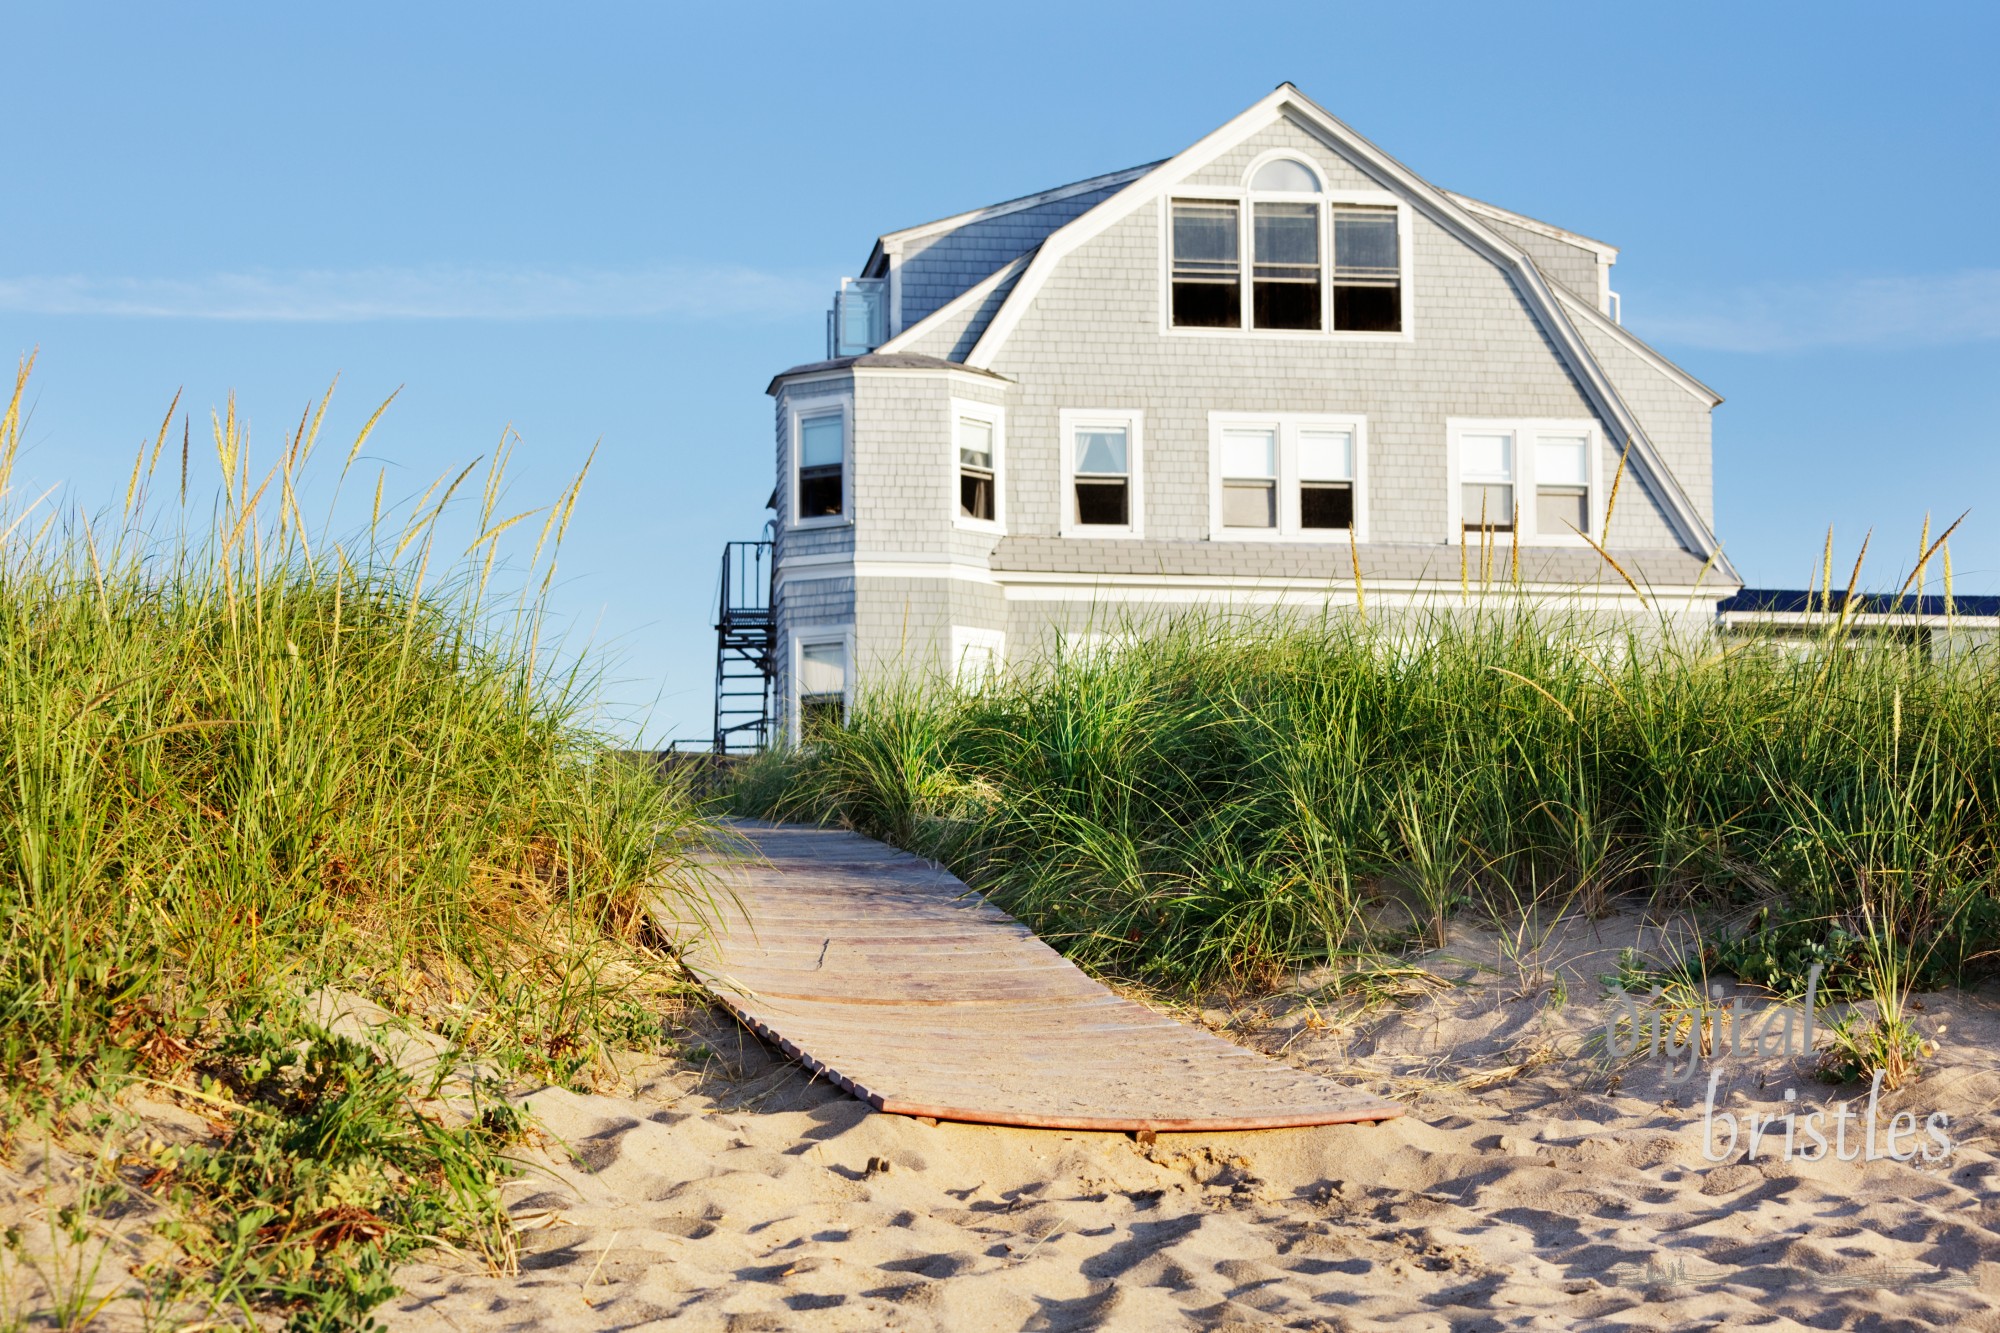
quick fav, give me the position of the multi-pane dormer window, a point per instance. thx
(1286, 254)
(1208, 269)
(1367, 271)
(1286, 292)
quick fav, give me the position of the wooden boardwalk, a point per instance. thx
(904, 987)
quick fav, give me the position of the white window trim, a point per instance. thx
(1525, 432)
(805, 410)
(842, 634)
(1288, 425)
(966, 637)
(995, 417)
(1134, 421)
(1328, 200)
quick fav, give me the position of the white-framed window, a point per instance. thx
(978, 460)
(1536, 482)
(822, 678)
(977, 655)
(1285, 255)
(822, 436)
(1287, 476)
(1103, 456)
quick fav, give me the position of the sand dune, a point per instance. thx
(728, 1191)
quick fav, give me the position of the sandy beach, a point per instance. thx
(1529, 1186)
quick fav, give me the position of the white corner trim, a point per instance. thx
(1632, 343)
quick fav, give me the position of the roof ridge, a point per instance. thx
(1051, 195)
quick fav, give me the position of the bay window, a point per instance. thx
(978, 454)
(821, 683)
(822, 457)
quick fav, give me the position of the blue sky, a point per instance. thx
(614, 223)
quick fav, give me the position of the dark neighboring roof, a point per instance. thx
(881, 361)
(1807, 601)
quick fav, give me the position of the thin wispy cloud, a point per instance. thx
(470, 293)
(1858, 312)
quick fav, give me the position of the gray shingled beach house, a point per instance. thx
(1259, 373)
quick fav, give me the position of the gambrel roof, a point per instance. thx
(970, 277)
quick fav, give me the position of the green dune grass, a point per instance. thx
(1220, 801)
(255, 757)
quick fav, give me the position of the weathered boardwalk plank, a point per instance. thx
(907, 989)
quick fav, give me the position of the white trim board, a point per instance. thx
(1035, 585)
(1604, 251)
(1285, 100)
(971, 297)
(1636, 345)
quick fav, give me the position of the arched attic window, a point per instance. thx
(1287, 175)
(1292, 229)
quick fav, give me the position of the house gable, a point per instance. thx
(1285, 118)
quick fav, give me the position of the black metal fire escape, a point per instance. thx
(744, 641)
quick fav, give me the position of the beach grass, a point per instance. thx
(250, 756)
(1221, 800)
